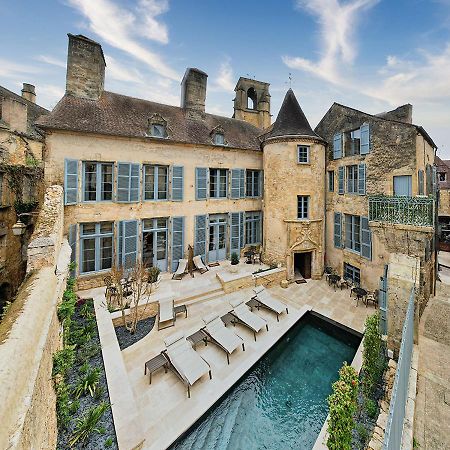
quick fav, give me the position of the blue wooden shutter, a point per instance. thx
(200, 236)
(428, 180)
(420, 182)
(70, 181)
(337, 230)
(236, 183)
(177, 183)
(242, 184)
(236, 232)
(201, 183)
(366, 238)
(337, 146)
(135, 173)
(128, 182)
(177, 241)
(73, 231)
(341, 176)
(365, 139)
(128, 243)
(361, 179)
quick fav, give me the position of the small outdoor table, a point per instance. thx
(180, 309)
(197, 337)
(252, 303)
(333, 280)
(227, 319)
(152, 365)
(360, 294)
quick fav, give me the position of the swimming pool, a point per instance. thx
(281, 403)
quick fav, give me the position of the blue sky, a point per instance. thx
(369, 54)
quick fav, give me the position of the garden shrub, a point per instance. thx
(234, 258)
(87, 424)
(373, 361)
(371, 407)
(342, 403)
(63, 361)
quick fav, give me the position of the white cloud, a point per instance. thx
(118, 71)
(150, 27)
(121, 28)
(52, 61)
(225, 78)
(10, 69)
(338, 22)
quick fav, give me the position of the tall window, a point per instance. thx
(353, 232)
(155, 182)
(253, 183)
(97, 181)
(302, 206)
(217, 183)
(96, 246)
(352, 179)
(331, 180)
(353, 142)
(303, 154)
(352, 274)
(253, 228)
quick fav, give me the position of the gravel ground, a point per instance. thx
(126, 339)
(105, 426)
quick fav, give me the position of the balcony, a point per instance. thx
(416, 211)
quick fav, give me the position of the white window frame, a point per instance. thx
(253, 184)
(253, 228)
(219, 178)
(303, 147)
(157, 126)
(303, 207)
(156, 172)
(99, 192)
(98, 237)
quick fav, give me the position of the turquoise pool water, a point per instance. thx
(281, 403)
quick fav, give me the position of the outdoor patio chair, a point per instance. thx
(181, 270)
(184, 361)
(266, 300)
(217, 333)
(166, 312)
(372, 297)
(111, 290)
(243, 315)
(199, 265)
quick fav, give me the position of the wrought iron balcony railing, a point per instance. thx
(418, 211)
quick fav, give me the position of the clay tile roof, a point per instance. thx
(291, 121)
(119, 115)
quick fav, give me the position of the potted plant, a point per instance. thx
(234, 259)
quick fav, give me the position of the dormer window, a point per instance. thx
(219, 139)
(218, 136)
(157, 130)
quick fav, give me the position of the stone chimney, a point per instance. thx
(85, 68)
(193, 90)
(14, 113)
(29, 92)
(402, 114)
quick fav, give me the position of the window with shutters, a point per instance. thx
(352, 179)
(70, 181)
(96, 246)
(97, 181)
(218, 183)
(252, 228)
(337, 146)
(128, 182)
(338, 230)
(331, 180)
(253, 183)
(352, 141)
(302, 207)
(352, 273)
(156, 181)
(341, 180)
(237, 183)
(353, 233)
(303, 154)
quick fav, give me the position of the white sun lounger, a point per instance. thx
(185, 362)
(198, 263)
(217, 333)
(181, 270)
(245, 316)
(266, 300)
(166, 312)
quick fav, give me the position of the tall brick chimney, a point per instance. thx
(85, 68)
(193, 90)
(29, 92)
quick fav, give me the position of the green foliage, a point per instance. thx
(342, 404)
(86, 311)
(87, 384)
(108, 442)
(234, 258)
(66, 309)
(153, 274)
(65, 406)
(88, 350)
(373, 360)
(371, 407)
(102, 430)
(6, 307)
(84, 368)
(98, 394)
(415, 443)
(87, 424)
(63, 361)
(363, 434)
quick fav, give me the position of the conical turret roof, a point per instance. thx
(291, 121)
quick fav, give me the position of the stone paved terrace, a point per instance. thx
(158, 413)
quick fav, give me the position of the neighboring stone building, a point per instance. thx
(443, 179)
(21, 182)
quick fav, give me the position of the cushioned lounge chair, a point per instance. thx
(184, 361)
(199, 265)
(217, 333)
(266, 300)
(166, 313)
(181, 270)
(243, 315)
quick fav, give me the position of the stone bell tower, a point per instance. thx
(252, 102)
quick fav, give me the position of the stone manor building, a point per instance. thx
(143, 180)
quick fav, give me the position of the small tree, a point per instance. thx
(372, 355)
(234, 258)
(343, 404)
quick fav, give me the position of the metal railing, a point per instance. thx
(418, 211)
(394, 427)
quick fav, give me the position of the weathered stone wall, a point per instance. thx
(29, 335)
(444, 203)
(284, 179)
